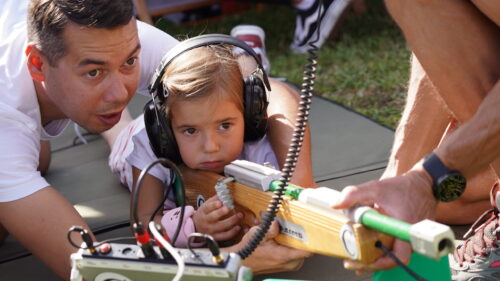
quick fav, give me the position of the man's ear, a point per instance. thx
(35, 63)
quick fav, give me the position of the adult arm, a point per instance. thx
(45, 157)
(460, 70)
(150, 197)
(418, 132)
(469, 149)
(282, 112)
(476, 143)
(40, 222)
(37, 215)
(457, 44)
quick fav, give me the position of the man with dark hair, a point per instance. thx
(81, 60)
(48, 19)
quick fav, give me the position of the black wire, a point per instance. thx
(183, 205)
(135, 196)
(209, 241)
(379, 244)
(190, 247)
(68, 236)
(165, 197)
(293, 149)
(70, 240)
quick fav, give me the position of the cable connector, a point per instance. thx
(163, 234)
(252, 174)
(87, 240)
(210, 242)
(215, 250)
(144, 241)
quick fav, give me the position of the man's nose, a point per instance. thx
(117, 92)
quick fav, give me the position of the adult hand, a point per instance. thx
(407, 197)
(270, 257)
(215, 219)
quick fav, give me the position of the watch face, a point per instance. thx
(451, 186)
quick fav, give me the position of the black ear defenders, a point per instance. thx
(255, 101)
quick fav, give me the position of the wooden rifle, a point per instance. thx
(302, 226)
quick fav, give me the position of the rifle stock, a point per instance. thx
(303, 226)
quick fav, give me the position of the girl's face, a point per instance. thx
(208, 131)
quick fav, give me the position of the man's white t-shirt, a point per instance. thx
(20, 119)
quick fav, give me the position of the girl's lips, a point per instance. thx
(211, 165)
(110, 119)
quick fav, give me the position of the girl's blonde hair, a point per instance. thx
(204, 71)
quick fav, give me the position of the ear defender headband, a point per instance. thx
(255, 101)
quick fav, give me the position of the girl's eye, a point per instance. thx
(189, 131)
(225, 126)
(131, 61)
(93, 73)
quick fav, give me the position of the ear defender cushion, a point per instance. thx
(255, 104)
(160, 134)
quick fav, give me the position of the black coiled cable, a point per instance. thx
(306, 94)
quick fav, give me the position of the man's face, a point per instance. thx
(98, 76)
(209, 132)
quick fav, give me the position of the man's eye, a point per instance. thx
(131, 61)
(93, 73)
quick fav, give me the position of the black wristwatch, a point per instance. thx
(447, 185)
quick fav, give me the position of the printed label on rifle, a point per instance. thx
(291, 229)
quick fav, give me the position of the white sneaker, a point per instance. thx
(254, 36)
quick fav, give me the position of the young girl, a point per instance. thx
(205, 107)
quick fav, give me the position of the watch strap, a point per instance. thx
(447, 184)
(435, 168)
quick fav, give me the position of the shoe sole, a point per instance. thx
(252, 28)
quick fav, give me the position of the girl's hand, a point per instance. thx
(217, 220)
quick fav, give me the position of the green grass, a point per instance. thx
(365, 67)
